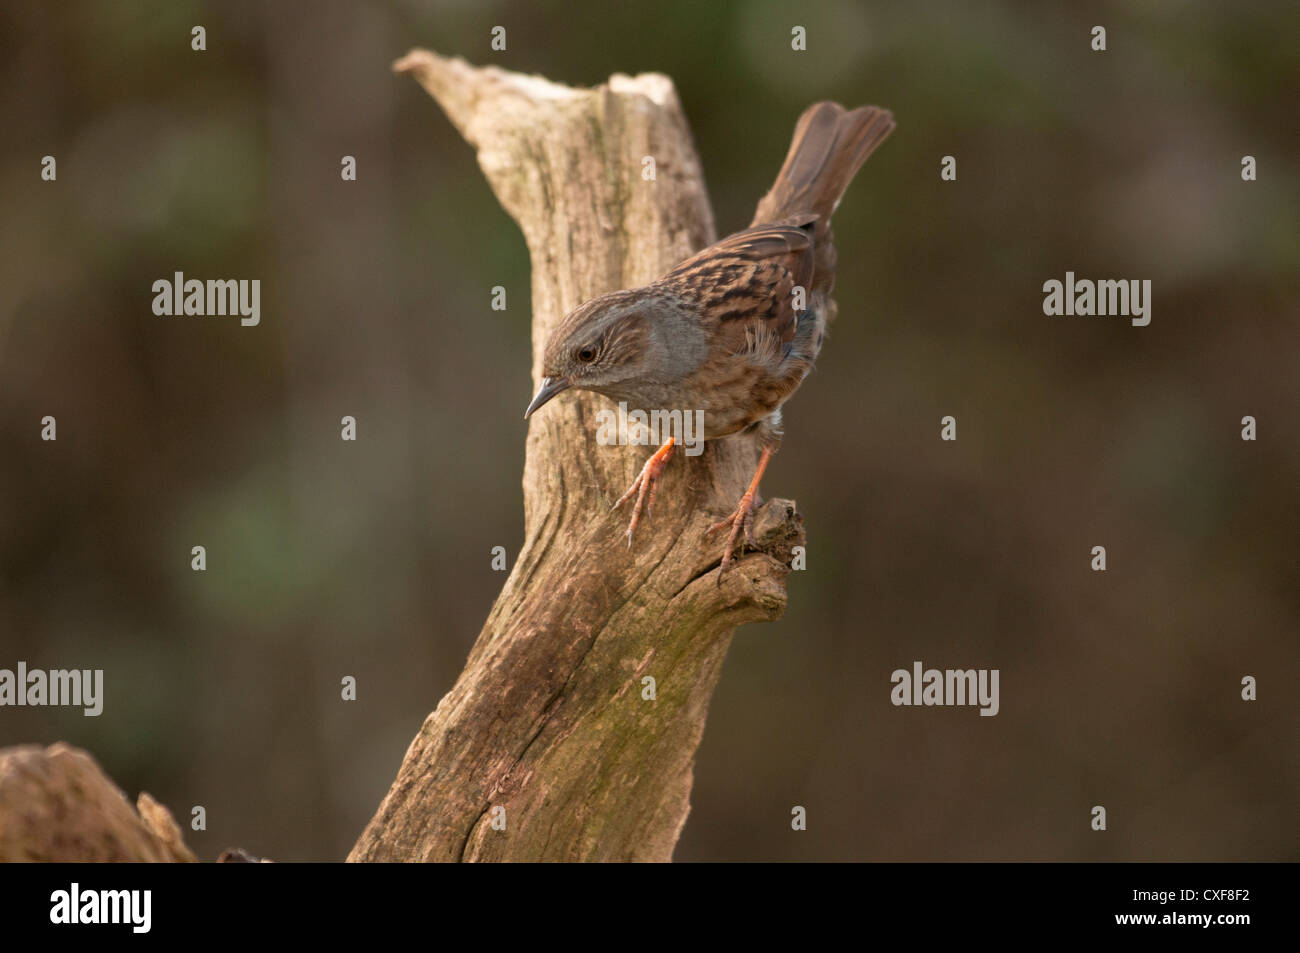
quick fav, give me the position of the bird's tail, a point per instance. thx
(829, 146)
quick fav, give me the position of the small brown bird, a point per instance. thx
(733, 330)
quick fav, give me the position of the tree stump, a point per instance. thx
(547, 729)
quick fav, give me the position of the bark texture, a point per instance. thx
(56, 804)
(548, 720)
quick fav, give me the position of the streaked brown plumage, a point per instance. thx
(721, 332)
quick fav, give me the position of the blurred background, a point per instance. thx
(372, 558)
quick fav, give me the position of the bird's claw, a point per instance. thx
(644, 487)
(742, 527)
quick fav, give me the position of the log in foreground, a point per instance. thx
(56, 804)
(547, 729)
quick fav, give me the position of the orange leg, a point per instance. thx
(644, 486)
(742, 520)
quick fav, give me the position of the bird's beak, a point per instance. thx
(550, 387)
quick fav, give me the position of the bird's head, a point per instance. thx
(613, 345)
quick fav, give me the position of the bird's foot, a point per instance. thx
(742, 524)
(644, 487)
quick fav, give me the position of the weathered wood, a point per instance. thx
(547, 720)
(56, 804)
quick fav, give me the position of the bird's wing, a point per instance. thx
(747, 284)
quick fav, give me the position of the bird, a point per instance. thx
(734, 329)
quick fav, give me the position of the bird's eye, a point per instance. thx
(587, 354)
